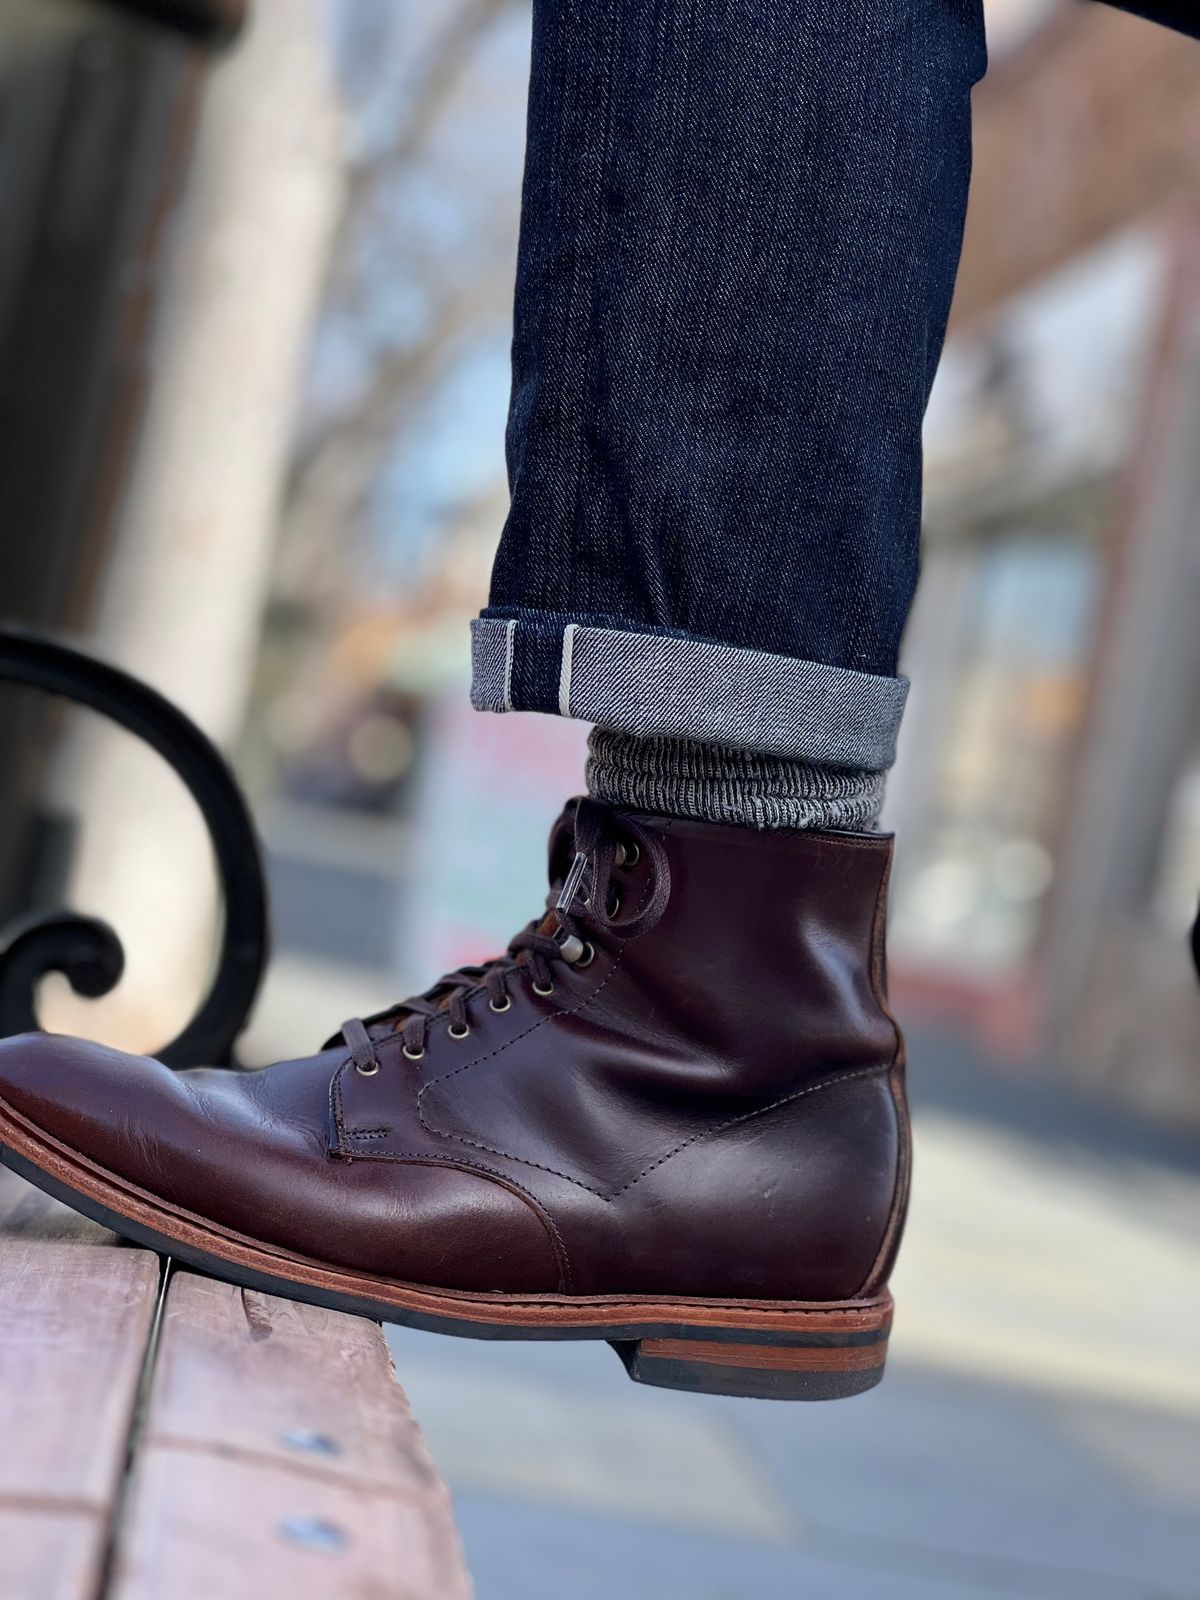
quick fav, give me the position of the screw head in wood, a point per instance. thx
(314, 1533)
(317, 1444)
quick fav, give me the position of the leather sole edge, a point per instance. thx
(768, 1347)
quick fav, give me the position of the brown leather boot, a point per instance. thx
(672, 1117)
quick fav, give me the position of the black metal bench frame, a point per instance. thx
(85, 949)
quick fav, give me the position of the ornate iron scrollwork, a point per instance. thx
(86, 950)
(210, 22)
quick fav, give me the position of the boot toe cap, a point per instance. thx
(68, 1088)
(250, 1152)
(62, 1098)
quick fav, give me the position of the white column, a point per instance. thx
(184, 595)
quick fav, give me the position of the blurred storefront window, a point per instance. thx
(977, 873)
(1034, 423)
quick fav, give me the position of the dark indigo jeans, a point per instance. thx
(740, 228)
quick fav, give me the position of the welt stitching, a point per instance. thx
(605, 1302)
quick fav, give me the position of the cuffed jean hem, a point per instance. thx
(657, 685)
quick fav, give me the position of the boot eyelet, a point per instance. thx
(614, 903)
(628, 855)
(507, 1006)
(547, 989)
(413, 1055)
(367, 1072)
(576, 952)
(458, 1033)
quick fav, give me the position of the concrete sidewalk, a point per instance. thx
(1038, 1433)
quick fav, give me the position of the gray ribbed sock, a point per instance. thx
(680, 778)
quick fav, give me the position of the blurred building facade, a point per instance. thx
(1048, 792)
(169, 224)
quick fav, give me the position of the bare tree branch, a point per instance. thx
(338, 461)
(434, 80)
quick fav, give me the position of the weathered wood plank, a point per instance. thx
(203, 1527)
(74, 1326)
(48, 1556)
(278, 1449)
(241, 1373)
(27, 1213)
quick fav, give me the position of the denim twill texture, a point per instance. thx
(740, 228)
(659, 685)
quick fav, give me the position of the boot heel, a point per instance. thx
(828, 1371)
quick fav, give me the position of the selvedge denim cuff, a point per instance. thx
(668, 686)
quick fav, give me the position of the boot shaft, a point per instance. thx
(768, 956)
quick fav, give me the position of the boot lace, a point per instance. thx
(586, 903)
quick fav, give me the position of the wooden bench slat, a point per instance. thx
(74, 1324)
(50, 1556)
(27, 1213)
(74, 1328)
(253, 1374)
(279, 1450)
(202, 1527)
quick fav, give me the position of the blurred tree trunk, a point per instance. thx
(183, 597)
(336, 465)
(96, 113)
